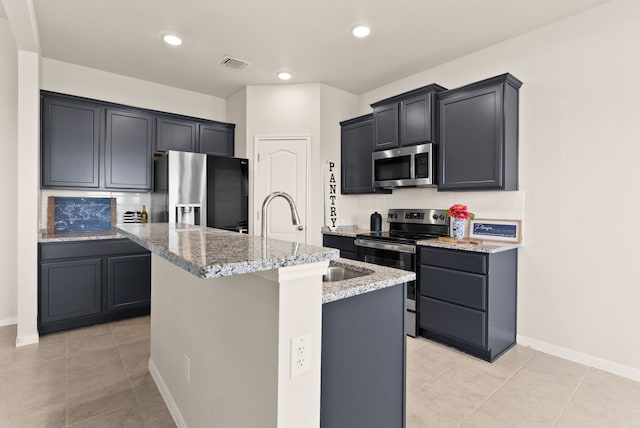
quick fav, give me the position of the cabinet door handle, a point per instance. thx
(300, 227)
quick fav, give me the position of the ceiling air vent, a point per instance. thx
(235, 63)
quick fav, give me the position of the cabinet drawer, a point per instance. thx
(98, 248)
(463, 288)
(454, 259)
(458, 322)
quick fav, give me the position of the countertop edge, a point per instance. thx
(44, 237)
(483, 247)
(379, 278)
(232, 268)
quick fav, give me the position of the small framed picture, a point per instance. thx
(496, 230)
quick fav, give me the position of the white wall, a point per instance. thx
(310, 109)
(87, 82)
(579, 155)
(237, 113)
(335, 106)
(8, 171)
(278, 110)
(28, 166)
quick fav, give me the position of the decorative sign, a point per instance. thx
(330, 195)
(497, 230)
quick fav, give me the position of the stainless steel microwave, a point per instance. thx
(405, 167)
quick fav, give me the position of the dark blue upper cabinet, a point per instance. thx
(94, 144)
(385, 127)
(174, 133)
(478, 136)
(70, 143)
(356, 146)
(406, 119)
(216, 138)
(128, 150)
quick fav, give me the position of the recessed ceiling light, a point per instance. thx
(284, 75)
(361, 31)
(172, 39)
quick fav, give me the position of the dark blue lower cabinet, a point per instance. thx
(468, 300)
(343, 243)
(364, 361)
(70, 289)
(90, 282)
(129, 282)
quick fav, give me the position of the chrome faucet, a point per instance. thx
(295, 218)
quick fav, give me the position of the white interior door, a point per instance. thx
(282, 164)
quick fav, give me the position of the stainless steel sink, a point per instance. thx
(341, 273)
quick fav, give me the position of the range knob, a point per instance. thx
(441, 216)
(435, 216)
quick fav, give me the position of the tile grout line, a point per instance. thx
(575, 391)
(496, 390)
(144, 420)
(95, 417)
(435, 377)
(94, 388)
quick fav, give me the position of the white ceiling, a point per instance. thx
(310, 38)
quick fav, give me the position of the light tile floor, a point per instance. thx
(523, 388)
(96, 377)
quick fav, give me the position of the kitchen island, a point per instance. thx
(226, 314)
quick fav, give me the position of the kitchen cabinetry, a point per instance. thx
(406, 119)
(174, 133)
(91, 144)
(88, 282)
(364, 360)
(71, 143)
(356, 146)
(216, 138)
(343, 243)
(468, 300)
(182, 134)
(128, 150)
(478, 135)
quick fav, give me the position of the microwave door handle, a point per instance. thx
(412, 166)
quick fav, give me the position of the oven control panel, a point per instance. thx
(420, 216)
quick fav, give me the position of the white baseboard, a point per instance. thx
(29, 339)
(168, 398)
(8, 321)
(582, 358)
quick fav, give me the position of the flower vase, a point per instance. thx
(458, 228)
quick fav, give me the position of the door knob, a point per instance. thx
(300, 227)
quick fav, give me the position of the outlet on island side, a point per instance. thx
(300, 355)
(187, 368)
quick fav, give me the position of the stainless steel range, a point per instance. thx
(397, 247)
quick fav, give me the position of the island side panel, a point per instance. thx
(228, 327)
(300, 314)
(237, 332)
(364, 360)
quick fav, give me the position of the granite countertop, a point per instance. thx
(43, 236)
(350, 231)
(213, 253)
(378, 277)
(465, 245)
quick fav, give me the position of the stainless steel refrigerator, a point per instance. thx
(206, 190)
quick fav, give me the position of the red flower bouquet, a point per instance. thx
(460, 212)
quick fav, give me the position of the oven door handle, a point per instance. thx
(401, 248)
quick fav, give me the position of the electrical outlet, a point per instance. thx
(187, 368)
(300, 355)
